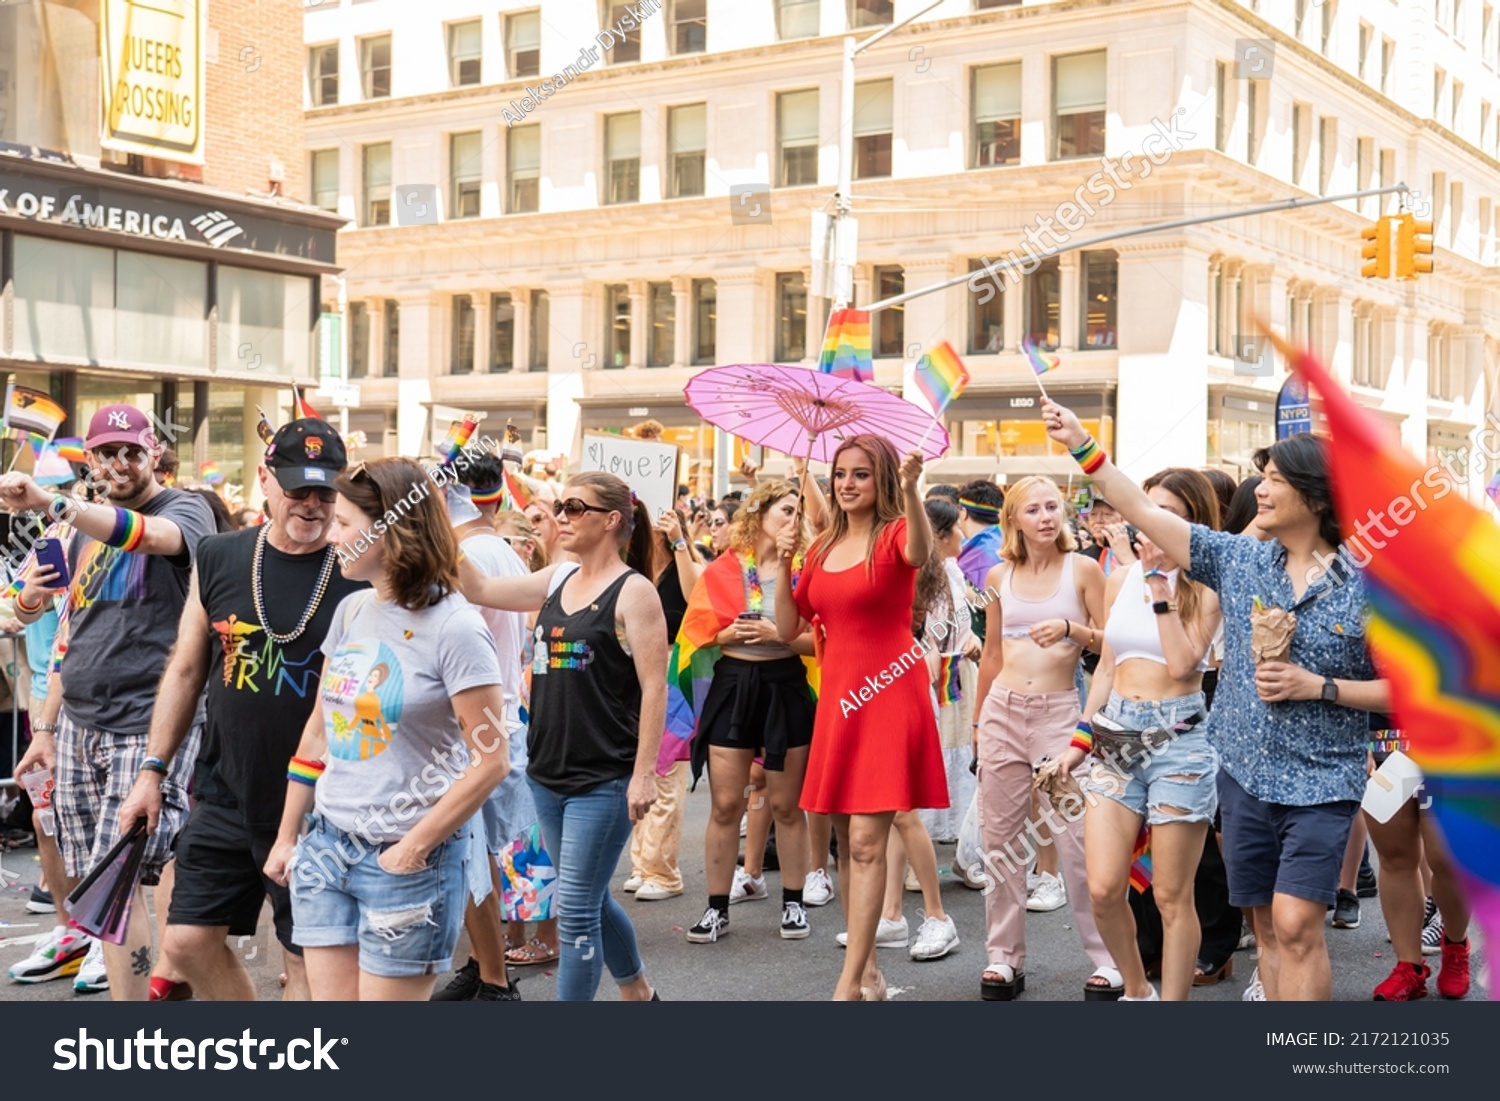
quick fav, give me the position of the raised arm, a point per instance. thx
(918, 531)
(509, 594)
(1171, 533)
(115, 527)
(646, 633)
(814, 504)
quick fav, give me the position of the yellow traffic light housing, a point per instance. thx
(1377, 250)
(1413, 247)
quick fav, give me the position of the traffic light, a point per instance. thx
(1413, 247)
(1377, 250)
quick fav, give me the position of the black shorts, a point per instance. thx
(219, 880)
(763, 706)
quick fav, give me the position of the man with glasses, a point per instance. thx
(260, 603)
(129, 565)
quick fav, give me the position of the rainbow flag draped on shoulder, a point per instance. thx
(718, 597)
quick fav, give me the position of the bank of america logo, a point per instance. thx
(218, 229)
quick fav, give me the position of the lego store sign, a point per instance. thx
(151, 54)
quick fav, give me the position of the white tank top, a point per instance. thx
(1131, 629)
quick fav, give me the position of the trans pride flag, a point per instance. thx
(1434, 595)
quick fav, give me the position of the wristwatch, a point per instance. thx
(1163, 607)
(1330, 690)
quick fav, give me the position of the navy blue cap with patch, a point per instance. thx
(306, 452)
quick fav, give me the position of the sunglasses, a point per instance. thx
(718, 523)
(573, 508)
(326, 494)
(131, 453)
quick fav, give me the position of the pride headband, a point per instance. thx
(980, 509)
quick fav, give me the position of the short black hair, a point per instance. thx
(945, 491)
(985, 493)
(1303, 461)
(483, 471)
(942, 514)
(1242, 506)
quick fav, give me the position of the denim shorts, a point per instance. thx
(1181, 774)
(405, 925)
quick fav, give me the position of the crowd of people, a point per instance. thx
(398, 711)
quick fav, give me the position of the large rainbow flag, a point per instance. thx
(717, 598)
(1434, 631)
(847, 350)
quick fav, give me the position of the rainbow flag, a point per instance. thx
(211, 473)
(459, 434)
(28, 410)
(1041, 362)
(847, 351)
(980, 554)
(948, 689)
(718, 597)
(1140, 861)
(1434, 606)
(941, 376)
(520, 499)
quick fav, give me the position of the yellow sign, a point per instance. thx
(152, 63)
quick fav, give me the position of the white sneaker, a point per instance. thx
(631, 885)
(1255, 992)
(1050, 894)
(935, 939)
(58, 955)
(817, 889)
(910, 881)
(91, 978)
(655, 892)
(888, 934)
(747, 888)
(1033, 881)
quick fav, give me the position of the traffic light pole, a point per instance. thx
(997, 267)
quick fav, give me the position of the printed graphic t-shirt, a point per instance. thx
(394, 747)
(260, 692)
(123, 615)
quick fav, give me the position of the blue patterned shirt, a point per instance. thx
(1297, 752)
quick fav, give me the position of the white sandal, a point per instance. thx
(1111, 993)
(1152, 997)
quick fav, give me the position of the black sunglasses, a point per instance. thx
(326, 494)
(573, 508)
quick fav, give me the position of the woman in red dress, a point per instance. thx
(875, 748)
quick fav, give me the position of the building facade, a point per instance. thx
(155, 246)
(559, 212)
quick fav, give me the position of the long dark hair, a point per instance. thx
(635, 527)
(887, 471)
(932, 578)
(1243, 507)
(1303, 461)
(1201, 503)
(1224, 488)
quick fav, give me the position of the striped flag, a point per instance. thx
(941, 376)
(847, 351)
(1041, 362)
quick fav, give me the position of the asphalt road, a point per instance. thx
(753, 963)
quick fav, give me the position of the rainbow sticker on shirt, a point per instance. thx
(363, 695)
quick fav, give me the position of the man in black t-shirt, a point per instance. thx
(261, 602)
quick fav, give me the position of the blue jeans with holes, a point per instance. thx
(586, 834)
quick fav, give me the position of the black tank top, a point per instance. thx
(585, 698)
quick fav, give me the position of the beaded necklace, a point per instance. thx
(755, 594)
(312, 607)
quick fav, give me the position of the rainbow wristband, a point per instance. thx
(130, 529)
(1083, 736)
(1090, 456)
(302, 771)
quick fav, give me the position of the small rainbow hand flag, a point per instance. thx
(847, 351)
(211, 473)
(1041, 362)
(1493, 489)
(948, 687)
(941, 376)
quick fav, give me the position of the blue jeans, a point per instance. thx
(586, 835)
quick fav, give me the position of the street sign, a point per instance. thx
(345, 395)
(1293, 410)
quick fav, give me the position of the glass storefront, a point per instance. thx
(1010, 426)
(1237, 428)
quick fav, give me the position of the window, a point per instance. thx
(1366, 35)
(797, 125)
(689, 26)
(1486, 35)
(1364, 164)
(264, 309)
(791, 317)
(1100, 283)
(1458, 20)
(1456, 107)
(325, 179)
(523, 151)
(1254, 98)
(872, 130)
(617, 325)
(502, 333)
(1078, 105)
(1363, 373)
(461, 356)
(1387, 63)
(1455, 212)
(464, 53)
(870, 13)
(1223, 120)
(359, 340)
(1328, 151)
(541, 329)
(323, 74)
(1437, 364)
(622, 154)
(1330, 9)
(628, 49)
(987, 314)
(997, 115)
(1439, 82)
(797, 18)
(661, 338)
(523, 44)
(705, 321)
(1301, 139)
(392, 311)
(465, 156)
(687, 141)
(1484, 124)
(375, 66)
(1299, 18)
(377, 181)
(889, 323)
(1043, 305)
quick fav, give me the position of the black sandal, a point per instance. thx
(998, 990)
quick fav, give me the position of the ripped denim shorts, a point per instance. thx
(1179, 771)
(405, 925)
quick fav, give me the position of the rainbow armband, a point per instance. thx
(1083, 737)
(130, 529)
(1090, 456)
(302, 771)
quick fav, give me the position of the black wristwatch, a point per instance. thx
(1163, 607)
(1330, 690)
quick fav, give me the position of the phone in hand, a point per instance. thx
(1134, 535)
(750, 615)
(50, 553)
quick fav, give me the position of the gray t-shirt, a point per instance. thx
(394, 746)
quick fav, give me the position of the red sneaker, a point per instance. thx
(1405, 983)
(1453, 977)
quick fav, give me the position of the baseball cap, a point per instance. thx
(306, 452)
(119, 424)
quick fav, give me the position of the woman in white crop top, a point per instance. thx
(1152, 761)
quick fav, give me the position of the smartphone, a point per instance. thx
(749, 615)
(50, 553)
(1134, 535)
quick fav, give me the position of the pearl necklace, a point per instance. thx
(260, 606)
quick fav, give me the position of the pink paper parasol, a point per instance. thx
(808, 414)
